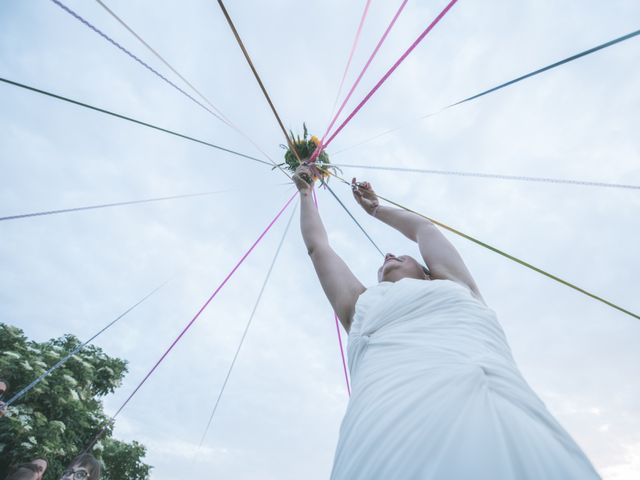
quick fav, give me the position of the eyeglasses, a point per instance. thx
(76, 474)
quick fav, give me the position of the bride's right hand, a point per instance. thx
(303, 178)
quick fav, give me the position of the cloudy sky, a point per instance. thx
(280, 416)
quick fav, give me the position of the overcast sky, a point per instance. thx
(280, 416)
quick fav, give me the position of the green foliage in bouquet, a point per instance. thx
(305, 147)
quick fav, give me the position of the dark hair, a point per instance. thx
(426, 271)
(89, 462)
(26, 471)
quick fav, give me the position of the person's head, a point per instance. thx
(24, 472)
(41, 464)
(4, 387)
(33, 470)
(396, 268)
(83, 467)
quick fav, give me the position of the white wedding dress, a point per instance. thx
(436, 394)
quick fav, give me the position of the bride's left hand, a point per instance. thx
(365, 196)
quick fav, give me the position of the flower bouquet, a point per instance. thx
(304, 147)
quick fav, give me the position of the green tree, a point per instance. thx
(124, 460)
(62, 414)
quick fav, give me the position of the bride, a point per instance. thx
(436, 393)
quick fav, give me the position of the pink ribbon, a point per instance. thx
(344, 363)
(353, 49)
(364, 69)
(389, 72)
(192, 321)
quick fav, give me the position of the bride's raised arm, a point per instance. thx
(441, 257)
(340, 285)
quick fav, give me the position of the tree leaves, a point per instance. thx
(60, 416)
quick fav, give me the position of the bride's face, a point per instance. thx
(395, 268)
